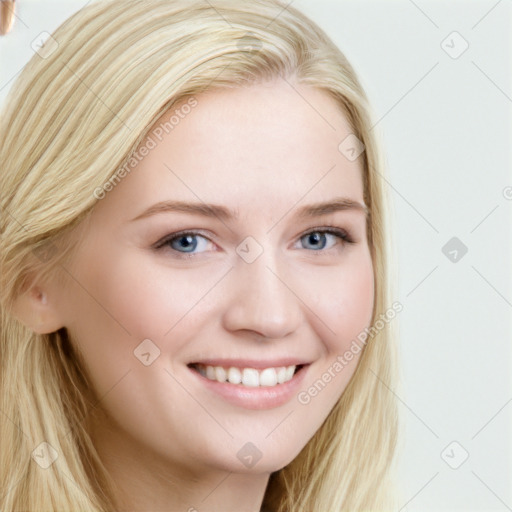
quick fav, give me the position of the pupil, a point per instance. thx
(314, 238)
(187, 242)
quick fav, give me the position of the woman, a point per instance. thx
(195, 293)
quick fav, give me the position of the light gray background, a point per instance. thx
(446, 126)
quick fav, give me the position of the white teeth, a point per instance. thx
(251, 378)
(268, 377)
(234, 376)
(220, 373)
(248, 376)
(210, 372)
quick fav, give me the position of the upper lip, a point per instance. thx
(253, 363)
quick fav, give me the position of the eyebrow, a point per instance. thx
(225, 214)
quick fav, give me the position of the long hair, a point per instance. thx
(73, 118)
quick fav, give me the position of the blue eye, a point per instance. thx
(318, 237)
(186, 244)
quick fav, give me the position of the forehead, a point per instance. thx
(265, 146)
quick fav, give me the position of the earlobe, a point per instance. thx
(34, 309)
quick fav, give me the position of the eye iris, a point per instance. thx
(315, 237)
(190, 242)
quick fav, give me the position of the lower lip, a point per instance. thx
(261, 397)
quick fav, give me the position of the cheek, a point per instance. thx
(131, 300)
(340, 305)
(343, 300)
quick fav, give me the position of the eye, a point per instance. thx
(185, 242)
(318, 238)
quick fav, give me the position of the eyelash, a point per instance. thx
(342, 234)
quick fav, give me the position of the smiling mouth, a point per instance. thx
(249, 377)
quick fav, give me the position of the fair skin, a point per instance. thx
(168, 441)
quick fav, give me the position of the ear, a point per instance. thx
(35, 308)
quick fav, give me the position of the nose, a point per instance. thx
(262, 299)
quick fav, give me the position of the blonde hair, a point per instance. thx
(73, 118)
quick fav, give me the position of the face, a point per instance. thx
(162, 295)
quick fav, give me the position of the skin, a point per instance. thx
(265, 150)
